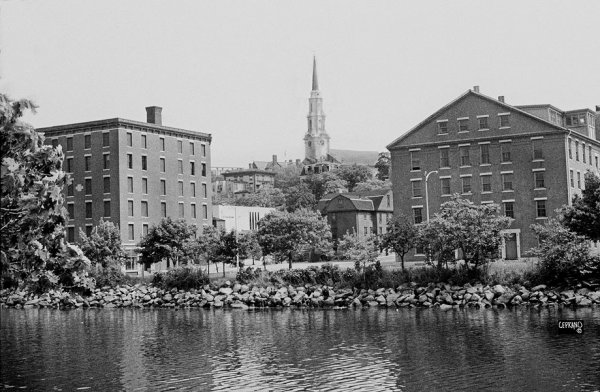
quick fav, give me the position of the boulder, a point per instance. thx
(539, 287)
(445, 307)
(498, 290)
(225, 290)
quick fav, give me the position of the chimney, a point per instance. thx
(154, 115)
(274, 158)
(476, 89)
(501, 98)
(598, 108)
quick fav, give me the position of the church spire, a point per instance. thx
(315, 82)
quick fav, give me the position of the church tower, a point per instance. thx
(316, 140)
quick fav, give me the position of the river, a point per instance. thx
(294, 350)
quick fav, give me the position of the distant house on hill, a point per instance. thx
(360, 212)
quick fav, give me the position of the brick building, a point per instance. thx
(528, 159)
(133, 174)
(360, 212)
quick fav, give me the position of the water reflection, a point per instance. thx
(124, 349)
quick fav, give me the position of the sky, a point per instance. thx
(241, 70)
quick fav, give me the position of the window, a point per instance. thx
(576, 120)
(590, 154)
(509, 209)
(163, 209)
(203, 149)
(162, 144)
(181, 210)
(145, 186)
(130, 184)
(71, 210)
(444, 157)
(504, 120)
(418, 215)
(539, 179)
(507, 182)
(193, 189)
(415, 162)
(465, 159)
(483, 123)
(88, 186)
(129, 207)
(88, 210)
(416, 188)
(131, 231)
(88, 230)
(70, 189)
(144, 229)
(583, 152)
(570, 149)
(129, 139)
(576, 150)
(54, 143)
(71, 234)
(69, 165)
(388, 199)
(463, 125)
(106, 208)
(192, 168)
(192, 148)
(105, 139)
(129, 161)
(466, 184)
(505, 152)
(87, 161)
(193, 210)
(445, 182)
(541, 208)
(538, 152)
(442, 127)
(485, 154)
(486, 183)
(144, 162)
(106, 184)
(596, 159)
(204, 191)
(204, 170)
(87, 142)
(106, 161)
(572, 178)
(69, 144)
(144, 208)
(180, 186)
(163, 187)
(179, 146)
(204, 211)
(144, 141)
(163, 165)
(180, 166)
(579, 180)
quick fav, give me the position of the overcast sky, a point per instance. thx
(241, 70)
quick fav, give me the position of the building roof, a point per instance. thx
(361, 201)
(121, 123)
(248, 172)
(349, 157)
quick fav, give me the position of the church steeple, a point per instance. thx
(315, 81)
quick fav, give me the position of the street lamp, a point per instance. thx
(427, 174)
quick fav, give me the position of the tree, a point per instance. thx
(103, 247)
(248, 246)
(171, 240)
(362, 250)
(400, 236)
(583, 216)
(299, 197)
(268, 197)
(32, 220)
(383, 166)
(564, 256)
(324, 183)
(354, 174)
(286, 235)
(372, 185)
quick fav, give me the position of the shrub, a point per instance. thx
(109, 276)
(182, 278)
(247, 275)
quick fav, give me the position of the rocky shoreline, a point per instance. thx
(235, 295)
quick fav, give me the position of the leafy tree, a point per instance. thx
(103, 247)
(286, 235)
(171, 240)
(354, 174)
(583, 216)
(218, 246)
(299, 197)
(362, 250)
(249, 247)
(268, 197)
(372, 185)
(324, 183)
(287, 177)
(437, 242)
(400, 236)
(383, 166)
(564, 256)
(32, 223)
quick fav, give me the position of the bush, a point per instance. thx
(109, 276)
(181, 278)
(247, 275)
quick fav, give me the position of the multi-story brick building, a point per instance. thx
(362, 213)
(133, 174)
(528, 159)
